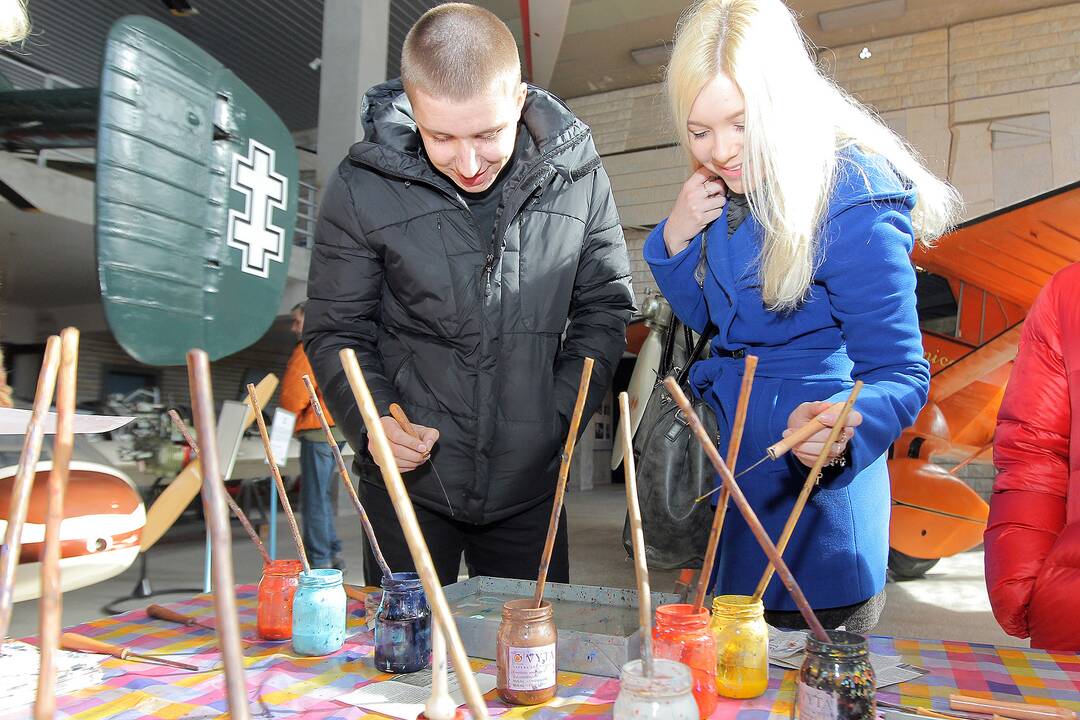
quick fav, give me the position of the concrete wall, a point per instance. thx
(992, 105)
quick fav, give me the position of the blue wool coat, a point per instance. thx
(859, 322)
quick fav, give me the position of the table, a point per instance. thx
(283, 685)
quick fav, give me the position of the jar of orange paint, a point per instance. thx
(276, 590)
(682, 633)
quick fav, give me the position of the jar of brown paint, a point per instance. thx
(525, 653)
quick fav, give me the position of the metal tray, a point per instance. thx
(598, 627)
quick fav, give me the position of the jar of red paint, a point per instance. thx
(276, 590)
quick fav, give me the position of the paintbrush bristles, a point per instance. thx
(276, 474)
(560, 485)
(24, 480)
(181, 426)
(406, 515)
(720, 513)
(747, 512)
(808, 485)
(51, 603)
(637, 536)
(343, 471)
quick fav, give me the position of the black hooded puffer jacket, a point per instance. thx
(480, 337)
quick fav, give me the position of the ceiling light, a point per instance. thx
(865, 54)
(653, 55)
(861, 14)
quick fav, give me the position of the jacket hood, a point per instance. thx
(391, 139)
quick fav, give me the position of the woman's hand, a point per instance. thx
(700, 201)
(807, 451)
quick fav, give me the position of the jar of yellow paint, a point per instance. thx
(742, 646)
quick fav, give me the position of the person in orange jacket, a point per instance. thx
(318, 493)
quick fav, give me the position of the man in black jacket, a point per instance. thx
(469, 250)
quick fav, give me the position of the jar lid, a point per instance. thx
(669, 678)
(737, 607)
(321, 577)
(523, 610)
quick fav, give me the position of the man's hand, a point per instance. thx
(808, 450)
(701, 200)
(409, 452)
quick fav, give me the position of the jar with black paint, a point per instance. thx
(403, 625)
(836, 680)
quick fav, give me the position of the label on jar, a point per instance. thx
(815, 704)
(530, 668)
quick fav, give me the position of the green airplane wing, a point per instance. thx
(196, 199)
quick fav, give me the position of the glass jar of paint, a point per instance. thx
(742, 646)
(273, 619)
(666, 695)
(319, 613)
(403, 625)
(682, 633)
(525, 653)
(836, 680)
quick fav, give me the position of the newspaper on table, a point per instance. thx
(404, 696)
(787, 649)
(19, 663)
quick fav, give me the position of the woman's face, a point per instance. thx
(715, 130)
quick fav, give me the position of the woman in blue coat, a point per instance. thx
(792, 238)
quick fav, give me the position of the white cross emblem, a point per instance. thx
(253, 231)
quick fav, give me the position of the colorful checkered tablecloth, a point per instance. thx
(281, 684)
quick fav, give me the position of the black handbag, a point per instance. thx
(672, 469)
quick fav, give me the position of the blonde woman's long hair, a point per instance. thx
(796, 121)
(14, 25)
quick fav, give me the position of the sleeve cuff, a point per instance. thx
(655, 250)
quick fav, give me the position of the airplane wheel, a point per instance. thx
(905, 567)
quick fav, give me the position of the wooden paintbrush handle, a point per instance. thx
(81, 643)
(777, 449)
(403, 420)
(164, 613)
(1019, 711)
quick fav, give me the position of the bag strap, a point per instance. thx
(667, 354)
(700, 347)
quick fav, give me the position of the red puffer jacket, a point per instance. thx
(1033, 534)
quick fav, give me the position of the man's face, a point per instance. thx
(471, 141)
(298, 323)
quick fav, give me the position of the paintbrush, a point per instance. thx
(365, 521)
(179, 423)
(24, 480)
(637, 537)
(1018, 711)
(748, 513)
(564, 474)
(808, 485)
(81, 643)
(276, 474)
(721, 507)
(777, 449)
(403, 420)
(410, 527)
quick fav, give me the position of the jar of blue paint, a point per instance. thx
(403, 625)
(319, 613)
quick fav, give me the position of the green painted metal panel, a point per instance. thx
(196, 199)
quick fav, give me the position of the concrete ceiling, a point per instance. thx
(595, 53)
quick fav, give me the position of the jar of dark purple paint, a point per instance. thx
(403, 625)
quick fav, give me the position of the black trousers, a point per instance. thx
(509, 548)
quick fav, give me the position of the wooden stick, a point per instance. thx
(722, 504)
(51, 603)
(180, 425)
(637, 536)
(1020, 711)
(276, 473)
(81, 643)
(384, 456)
(24, 481)
(213, 494)
(971, 458)
(747, 512)
(365, 521)
(564, 474)
(808, 485)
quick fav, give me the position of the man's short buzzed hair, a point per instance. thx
(458, 51)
